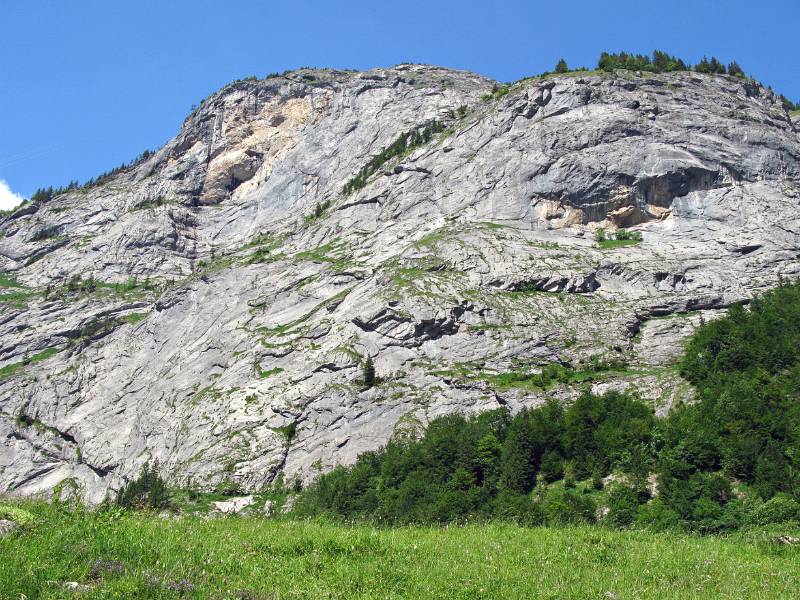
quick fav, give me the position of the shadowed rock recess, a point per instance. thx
(210, 307)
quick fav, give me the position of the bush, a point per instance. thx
(552, 468)
(148, 491)
(518, 508)
(780, 509)
(623, 505)
(624, 234)
(657, 516)
(706, 515)
(562, 506)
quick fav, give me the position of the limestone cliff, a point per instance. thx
(210, 306)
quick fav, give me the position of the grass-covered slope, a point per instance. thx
(128, 555)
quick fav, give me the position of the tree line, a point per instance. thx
(662, 62)
(45, 194)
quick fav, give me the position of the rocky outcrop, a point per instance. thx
(210, 307)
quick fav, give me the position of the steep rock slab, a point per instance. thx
(211, 306)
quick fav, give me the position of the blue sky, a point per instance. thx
(88, 84)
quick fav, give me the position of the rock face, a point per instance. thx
(211, 306)
(6, 527)
(234, 505)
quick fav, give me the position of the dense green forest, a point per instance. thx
(731, 458)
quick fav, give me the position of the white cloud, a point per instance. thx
(8, 199)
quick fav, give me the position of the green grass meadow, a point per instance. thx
(117, 554)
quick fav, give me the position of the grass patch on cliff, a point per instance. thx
(612, 244)
(78, 287)
(18, 298)
(496, 93)
(9, 281)
(265, 245)
(548, 377)
(251, 557)
(269, 372)
(432, 239)
(621, 239)
(13, 369)
(98, 327)
(428, 277)
(487, 327)
(336, 253)
(24, 421)
(15, 293)
(291, 328)
(134, 318)
(541, 379)
(154, 203)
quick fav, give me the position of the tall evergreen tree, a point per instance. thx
(518, 469)
(703, 66)
(716, 67)
(735, 70)
(487, 456)
(661, 61)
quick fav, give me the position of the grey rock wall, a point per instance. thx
(237, 288)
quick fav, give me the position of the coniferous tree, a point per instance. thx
(606, 62)
(715, 66)
(703, 66)
(661, 61)
(561, 66)
(552, 468)
(369, 372)
(148, 491)
(487, 456)
(518, 471)
(735, 70)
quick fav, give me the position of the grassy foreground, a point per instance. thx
(127, 555)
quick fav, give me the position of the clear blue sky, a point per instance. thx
(88, 84)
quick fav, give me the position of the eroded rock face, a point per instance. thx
(237, 288)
